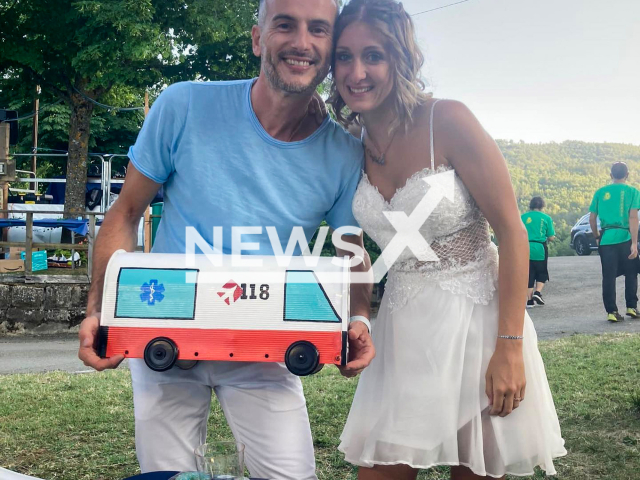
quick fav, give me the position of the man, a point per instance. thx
(617, 207)
(540, 231)
(243, 153)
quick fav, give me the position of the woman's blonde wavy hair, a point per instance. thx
(390, 19)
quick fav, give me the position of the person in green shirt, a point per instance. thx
(617, 207)
(540, 231)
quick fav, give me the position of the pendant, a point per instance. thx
(379, 160)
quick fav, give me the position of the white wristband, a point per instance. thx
(360, 318)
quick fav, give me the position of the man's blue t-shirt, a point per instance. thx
(219, 167)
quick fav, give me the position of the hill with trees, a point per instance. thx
(565, 174)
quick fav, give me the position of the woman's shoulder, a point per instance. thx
(455, 125)
(446, 112)
(458, 135)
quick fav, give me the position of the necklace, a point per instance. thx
(295, 130)
(380, 160)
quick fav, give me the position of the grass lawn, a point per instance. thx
(64, 426)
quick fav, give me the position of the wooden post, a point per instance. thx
(147, 230)
(4, 186)
(147, 212)
(3, 199)
(4, 140)
(4, 151)
(34, 159)
(73, 252)
(4, 193)
(92, 237)
(28, 245)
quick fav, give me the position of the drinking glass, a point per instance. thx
(220, 460)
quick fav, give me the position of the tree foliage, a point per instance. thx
(80, 51)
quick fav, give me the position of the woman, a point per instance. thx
(448, 384)
(540, 231)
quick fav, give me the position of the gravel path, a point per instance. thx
(574, 300)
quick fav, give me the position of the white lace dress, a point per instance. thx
(422, 400)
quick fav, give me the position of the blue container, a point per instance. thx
(38, 260)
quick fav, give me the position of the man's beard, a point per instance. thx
(271, 72)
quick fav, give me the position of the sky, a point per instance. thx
(537, 70)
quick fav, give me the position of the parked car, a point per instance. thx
(582, 239)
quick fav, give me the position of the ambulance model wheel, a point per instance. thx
(160, 354)
(302, 358)
(186, 364)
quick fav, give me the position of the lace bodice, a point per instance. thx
(455, 229)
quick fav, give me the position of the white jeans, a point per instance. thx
(263, 403)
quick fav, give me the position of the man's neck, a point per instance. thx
(282, 115)
(623, 180)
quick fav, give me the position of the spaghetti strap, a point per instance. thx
(433, 160)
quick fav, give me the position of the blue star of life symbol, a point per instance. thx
(152, 292)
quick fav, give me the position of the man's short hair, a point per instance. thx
(536, 203)
(262, 11)
(619, 170)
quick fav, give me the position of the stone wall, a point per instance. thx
(54, 303)
(42, 304)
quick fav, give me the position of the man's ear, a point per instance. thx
(255, 40)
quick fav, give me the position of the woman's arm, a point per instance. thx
(482, 168)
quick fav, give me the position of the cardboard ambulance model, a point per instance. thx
(155, 308)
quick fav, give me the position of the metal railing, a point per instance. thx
(28, 244)
(22, 190)
(105, 173)
(105, 182)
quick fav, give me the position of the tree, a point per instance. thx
(81, 51)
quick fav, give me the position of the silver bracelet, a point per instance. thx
(511, 337)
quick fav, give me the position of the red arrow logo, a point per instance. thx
(231, 292)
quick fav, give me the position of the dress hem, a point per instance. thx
(373, 463)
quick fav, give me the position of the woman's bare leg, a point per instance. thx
(388, 472)
(463, 473)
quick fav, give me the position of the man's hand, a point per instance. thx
(87, 352)
(634, 251)
(361, 350)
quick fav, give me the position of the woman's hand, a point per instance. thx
(505, 378)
